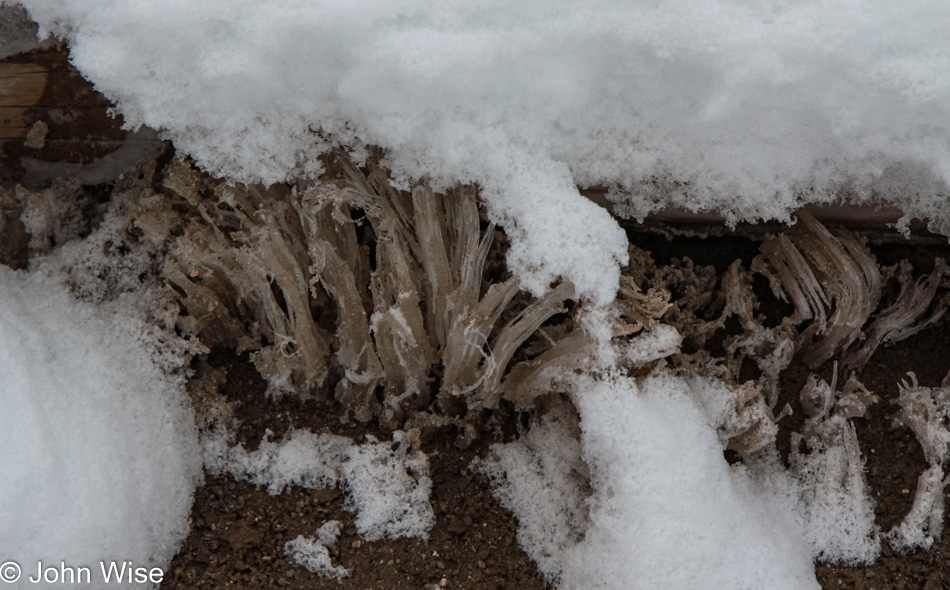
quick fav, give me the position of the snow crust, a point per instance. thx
(388, 489)
(747, 108)
(100, 451)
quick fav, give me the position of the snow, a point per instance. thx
(755, 106)
(100, 450)
(666, 510)
(388, 489)
(537, 478)
(314, 554)
(748, 108)
(667, 506)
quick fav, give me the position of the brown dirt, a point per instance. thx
(894, 460)
(239, 531)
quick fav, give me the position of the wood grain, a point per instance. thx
(21, 87)
(73, 130)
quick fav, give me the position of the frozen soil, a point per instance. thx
(239, 531)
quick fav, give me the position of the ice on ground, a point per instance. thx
(302, 459)
(100, 451)
(387, 485)
(314, 554)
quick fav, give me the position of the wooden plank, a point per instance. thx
(21, 86)
(856, 216)
(878, 219)
(53, 121)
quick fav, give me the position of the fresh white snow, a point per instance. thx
(100, 450)
(752, 103)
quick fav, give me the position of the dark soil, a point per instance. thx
(239, 531)
(894, 460)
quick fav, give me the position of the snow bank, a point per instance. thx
(750, 104)
(100, 452)
(387, 484)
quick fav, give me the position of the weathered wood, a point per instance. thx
(21, 87)
(875, 221)
(53, 122)
(857, 216)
